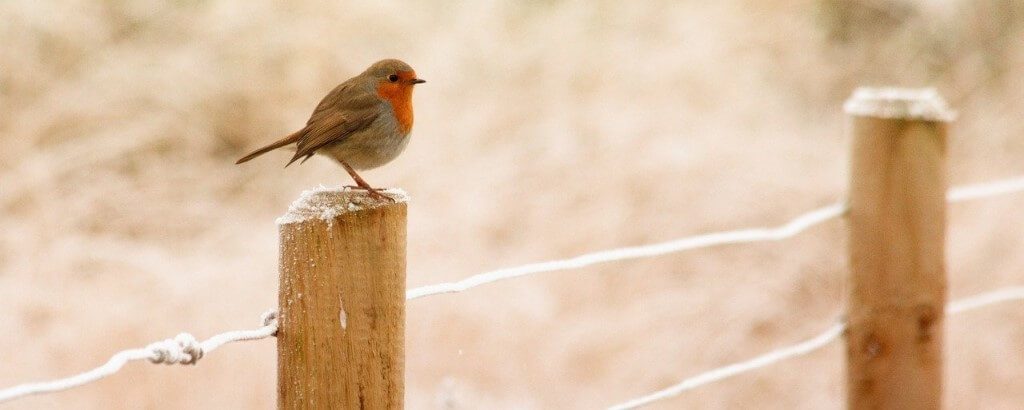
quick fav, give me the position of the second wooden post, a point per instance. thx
(341, 340)
(897, 234)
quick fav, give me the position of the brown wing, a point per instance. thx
(345, 110)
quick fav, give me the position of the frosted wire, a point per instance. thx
(985, 299)
(810, 345)
(120, 359)
(791, 228)
(720, 373)
(978, 191)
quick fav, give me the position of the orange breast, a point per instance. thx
(400, 97)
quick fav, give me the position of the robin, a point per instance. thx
(362, 123)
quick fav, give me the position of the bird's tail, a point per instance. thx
(291, 139)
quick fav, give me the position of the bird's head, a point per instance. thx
(394, 81)
(393, 76)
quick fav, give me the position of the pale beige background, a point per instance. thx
(547, 129)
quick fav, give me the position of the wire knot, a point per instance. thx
(183, 349)
(270, 318)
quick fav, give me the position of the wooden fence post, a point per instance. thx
(896, 248)
(341, 340)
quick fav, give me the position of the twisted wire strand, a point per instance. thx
(183, 349)
(794, 226)
(813, 344)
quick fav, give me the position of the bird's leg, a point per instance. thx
(363, 185)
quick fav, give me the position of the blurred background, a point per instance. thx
(546, 129)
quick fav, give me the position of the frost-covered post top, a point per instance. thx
(327, 203)
(924, 104)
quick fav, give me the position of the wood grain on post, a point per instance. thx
(897, 233)
(341, 340)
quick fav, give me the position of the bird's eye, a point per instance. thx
(393, 78)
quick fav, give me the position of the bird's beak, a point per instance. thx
(418, 81)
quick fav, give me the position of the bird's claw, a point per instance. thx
(374, 193)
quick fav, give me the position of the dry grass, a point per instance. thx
(546, 129)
